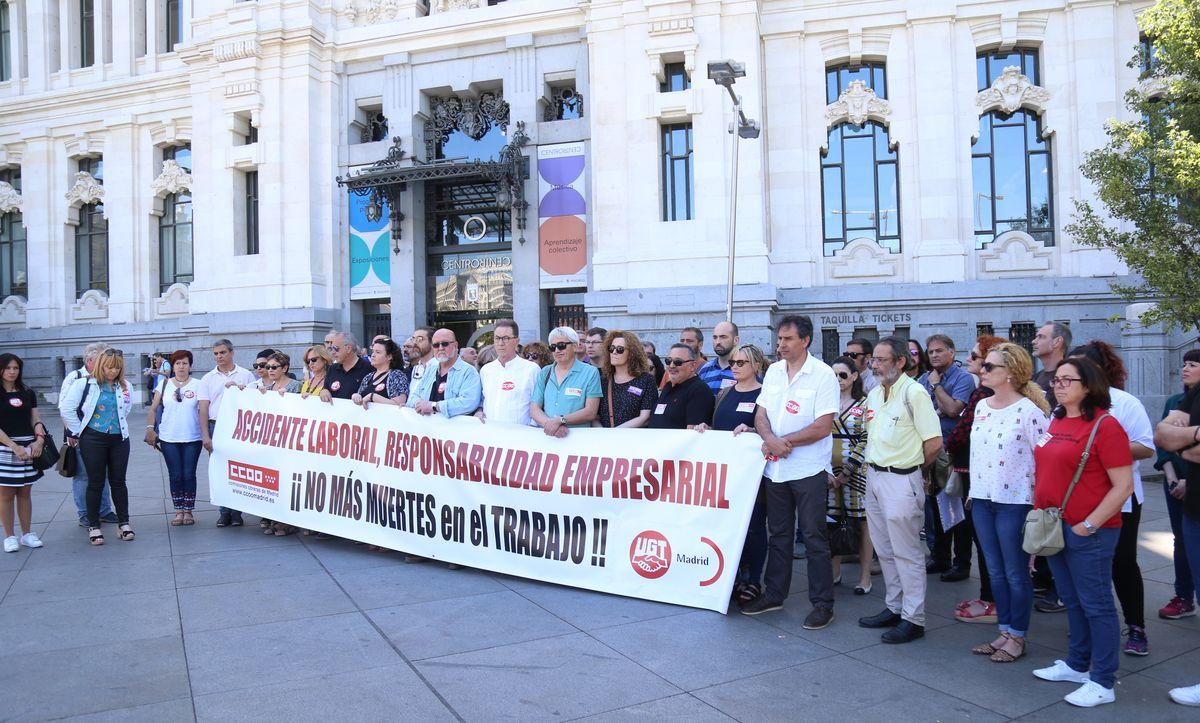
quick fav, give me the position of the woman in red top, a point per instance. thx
(1091, 525)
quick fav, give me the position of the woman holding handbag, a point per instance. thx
(178, 435)
(22, 436)
(1085, 469)
(848, 483)
(1006, 429)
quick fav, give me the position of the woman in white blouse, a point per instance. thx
(1007, 428)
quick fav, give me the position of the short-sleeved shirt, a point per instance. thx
(679, 407)
(16, 412)
(212, 386)
(1058, 454)
(736, 408)
(343, 384)
(716, 377)
(507, 389)
(959, 385)
(392, 384)
(559, 399)
(180, 419)
(1134, 419)
(1191, 501)
(793, 404)
(628, 400)
(898, 427)
(104, 417)
(1001, 451)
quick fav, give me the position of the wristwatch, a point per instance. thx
(562, 418)
(435, 407)
(1089, 527)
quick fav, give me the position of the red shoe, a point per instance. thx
(1177, 608)
(976, 611)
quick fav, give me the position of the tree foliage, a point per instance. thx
(1147, 176)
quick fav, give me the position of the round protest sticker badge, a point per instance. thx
(16, 402)
(793, 407)
(508, 386)
(650, 555)
(335, 386)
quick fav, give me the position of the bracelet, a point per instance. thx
(1196, 435)
(149, 426)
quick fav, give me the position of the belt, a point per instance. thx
(894, 470)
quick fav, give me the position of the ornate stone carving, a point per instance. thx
(91, 306)
(173, 302)
(444, 6)
(173, 179)
(86, 190)
(10, 198)
(564, 102)
(473, 117)
(12, 310)
(1010, 92)
(372, 12)
(856, 105)
(1015, 253)
(863, 259)
(236, 50)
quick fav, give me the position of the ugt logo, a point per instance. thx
(650, 555)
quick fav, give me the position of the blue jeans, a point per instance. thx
(1184, 585)
(998, 530)
(1190, 528)
(181, 459)
(754, 552)
(79, 490)
(1083, 576)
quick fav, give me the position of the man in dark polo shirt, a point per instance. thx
(348, 370)
(685, 401)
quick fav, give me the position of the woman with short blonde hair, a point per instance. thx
(317, 361)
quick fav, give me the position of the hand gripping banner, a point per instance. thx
(653, 514)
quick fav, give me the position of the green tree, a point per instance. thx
(1147, 176)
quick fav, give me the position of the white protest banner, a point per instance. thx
(653, 514)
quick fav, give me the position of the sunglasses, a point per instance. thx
(178, 396)
(854, 354)
(333, 348)
(843, 375)
(441, 344)
(530, 357)
(975, 357)
(614, 349)
(313, 360)
(739, 363)
(273, 367)
(559, 345)
(990, 367)
(676, 362)
(259, 365)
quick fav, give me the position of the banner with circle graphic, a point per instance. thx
(649, 513)
(370, 252)
(562, 215)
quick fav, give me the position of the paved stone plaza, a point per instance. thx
(228, 624)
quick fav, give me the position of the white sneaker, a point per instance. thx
(1090, 695)
(11, 544)
(1186, 696)
(30, 539)
(1060, 672)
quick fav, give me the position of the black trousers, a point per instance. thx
(106, 458)
(1127, 576)
(806, 498)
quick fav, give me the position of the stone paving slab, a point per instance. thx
(200, 623)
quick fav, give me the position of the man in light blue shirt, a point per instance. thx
(567, 393)
(452, 387)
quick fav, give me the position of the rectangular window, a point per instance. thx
(252, 212)
(174, 25)
(984, 330)
(252, 135)
(94, 166)
(675, 78)
(12, 244)
(1147, 55)
(87, 33)
(677, 172)
(6, 61)
(1022, 333)
(989, 66)
(831, 345)
(838, 79)
(181, 155)
(91, 250)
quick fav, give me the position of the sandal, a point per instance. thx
(992, 647)
(125, 532)
(264, 523)
(95, 537)
(282, 530)
(178, 519)
(1003, 656)
(188, 519)
(750, 593)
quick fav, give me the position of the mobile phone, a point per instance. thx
(1172, 485)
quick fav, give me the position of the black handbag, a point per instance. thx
(68, 461)
(49, 456)
(843, 531)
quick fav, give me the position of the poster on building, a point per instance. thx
(562, 215)
(650, 513)
(370, 252)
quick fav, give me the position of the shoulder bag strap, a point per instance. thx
(1087, 451)
(87, 388)
(612, 418)
(724, 392)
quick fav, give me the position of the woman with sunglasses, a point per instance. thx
(1175, 469)
(277, 379)
(958, 445)
(259, 367)
(538, 353)
(734, 412)
(918, 360)
(387, 383)
(627, 383)
(848, 482)
(317, 361)
(1007, 427)
(178, 435)
(1091, 524)
(103, 401)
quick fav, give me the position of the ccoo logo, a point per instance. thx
(508, 386)
(650, 555)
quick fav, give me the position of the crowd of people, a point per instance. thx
(894, 458)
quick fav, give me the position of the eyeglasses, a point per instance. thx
(333, 348)
(1065, 381)
(990, 367)
(258, 365)
(739, 363)
(843, 375)
(975, 357)
(614, 349)
(313, 360)
(441, 344)
(671, 362)
(882, 359)
(530, 357)
(273, 367)
(504, 338)
(854, 354)
(559, 345)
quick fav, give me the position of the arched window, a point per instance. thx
(175, 240)
(91, 250)
(1011, 163)
(860, 182)
(12, 244)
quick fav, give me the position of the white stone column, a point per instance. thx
(16, 38)
(46, 257)
(151, 34)
(122, 37)
(407, 266)
(185, 15)
(522, 89)
(99, 37)
(66, 54)
(37, 29)
(124, 189)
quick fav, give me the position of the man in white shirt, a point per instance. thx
(508, 381)
(795, 419)
(79, 483)
(212, 388)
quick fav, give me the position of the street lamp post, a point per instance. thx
(725, 73)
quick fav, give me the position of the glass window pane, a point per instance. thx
(835, 146)
(831, 86)
(166, 255)
(860, 184)
(1033, 128)
(1039, 190)
(983, 144)
(679, 173)
(183, 251)
(832, 202)
(981, 171)
(183, 156)
(19, 261)
(981, 73)
(183, 212)
(883, 144)
(1010, 173)
(1029, 66)
(889, 205)
(879, 82)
